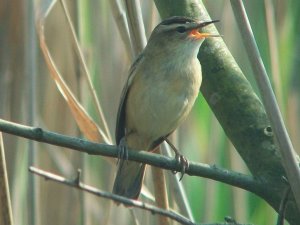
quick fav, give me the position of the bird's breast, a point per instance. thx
(159, 101)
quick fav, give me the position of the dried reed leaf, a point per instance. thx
(86, 73)
(85, 123)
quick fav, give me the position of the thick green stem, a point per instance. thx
(236, 106)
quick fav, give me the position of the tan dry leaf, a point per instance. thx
(85, 123)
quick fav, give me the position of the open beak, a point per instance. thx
(196, 33)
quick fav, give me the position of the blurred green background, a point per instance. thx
(275, 24)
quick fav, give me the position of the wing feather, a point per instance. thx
(121, 116)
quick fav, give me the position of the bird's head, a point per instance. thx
(179, 33)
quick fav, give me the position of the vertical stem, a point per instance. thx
(285, 145)
(178, 188)
(136, 26)
(121, 21)
(5, 206)
(160, 190)
(273, 48)
(30, 73)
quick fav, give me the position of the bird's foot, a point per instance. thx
(184, 164)
(122, 150)
(182, 161)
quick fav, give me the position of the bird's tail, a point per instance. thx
(129, 179)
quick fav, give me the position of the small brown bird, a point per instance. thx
(161, 88)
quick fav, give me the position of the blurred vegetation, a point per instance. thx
(200, 138)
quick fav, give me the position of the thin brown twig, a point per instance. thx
(76, 183)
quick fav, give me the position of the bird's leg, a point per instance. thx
(184, 163)
(122, 150)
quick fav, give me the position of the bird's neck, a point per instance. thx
(175, 60)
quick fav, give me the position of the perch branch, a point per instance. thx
(92, 148)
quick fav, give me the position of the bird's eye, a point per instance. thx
(180, 29)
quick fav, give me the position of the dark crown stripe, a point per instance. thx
(177, 20)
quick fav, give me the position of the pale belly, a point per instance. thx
(157, 110)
